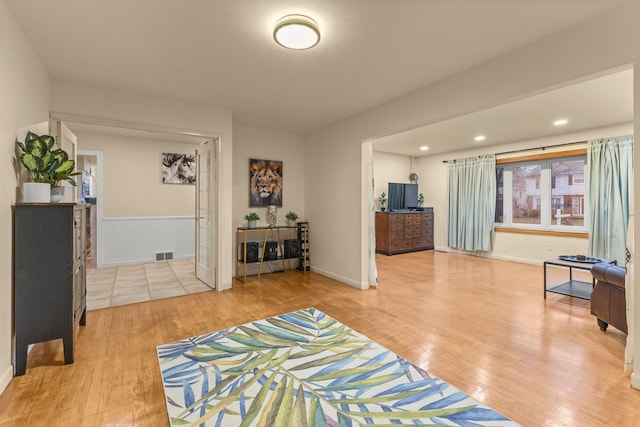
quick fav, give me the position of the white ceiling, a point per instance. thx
(221, 52)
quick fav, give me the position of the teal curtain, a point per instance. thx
(472, 202)
(610, 163)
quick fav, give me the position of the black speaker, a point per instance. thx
(271, 250)
(291, 248)
(252, 252)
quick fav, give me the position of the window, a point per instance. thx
(499, 194)
(546, 194)
(525, 194)
(566, 190)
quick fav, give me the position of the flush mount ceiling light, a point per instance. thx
(560, 122)
(480, 138)
(424, 148)
(297, 32)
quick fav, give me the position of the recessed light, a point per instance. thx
(560, 122)
(480, 138)
(424, 148)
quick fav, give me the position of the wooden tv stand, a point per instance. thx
(404, 231)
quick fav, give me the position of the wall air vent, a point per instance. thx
(164, 256)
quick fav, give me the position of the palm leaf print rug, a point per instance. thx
(305, 369)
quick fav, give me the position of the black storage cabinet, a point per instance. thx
(304, 264)
(49, 276)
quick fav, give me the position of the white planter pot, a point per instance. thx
(36, 192)
(56, 194)
(292, 223)
(251, 223)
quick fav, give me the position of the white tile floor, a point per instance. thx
(127, 284)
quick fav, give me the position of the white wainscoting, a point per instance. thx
(133, 240)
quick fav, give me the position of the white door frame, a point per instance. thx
(66, 140)
(100, 200)
(206, 273)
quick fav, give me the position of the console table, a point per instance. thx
(573, 288)
(297, 248)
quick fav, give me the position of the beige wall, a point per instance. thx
(26, 97)
(257, 143)
(388, 168)
(132, 177)
(334, 182)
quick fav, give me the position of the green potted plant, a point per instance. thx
(382, 199)
(420, 199)
(251, 218)
(291, 218)
(64, 172)
(413, 178)
(46, 167)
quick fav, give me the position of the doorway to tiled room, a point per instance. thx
(130, 231)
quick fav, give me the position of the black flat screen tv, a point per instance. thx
(402, 196)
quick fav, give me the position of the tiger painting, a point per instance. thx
(265, 182)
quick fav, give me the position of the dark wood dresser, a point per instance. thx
(398, 232)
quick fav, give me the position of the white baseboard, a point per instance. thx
(635, 381)
(490, 255)
(514, 259)
(144, 261)
(339, 278)
(5, 378)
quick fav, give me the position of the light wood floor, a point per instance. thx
(481, 325)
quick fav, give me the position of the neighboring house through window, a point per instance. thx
(545, 194)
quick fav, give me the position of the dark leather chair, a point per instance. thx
(608, 302)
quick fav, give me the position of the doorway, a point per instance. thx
(179, 266)
(89, 191)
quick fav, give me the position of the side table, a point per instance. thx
(574, 288)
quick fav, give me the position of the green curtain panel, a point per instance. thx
(610, 163)
(472, 202)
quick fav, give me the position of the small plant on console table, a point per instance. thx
(251, 218)
(291, 218)
(383, 201)
(420, 199)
